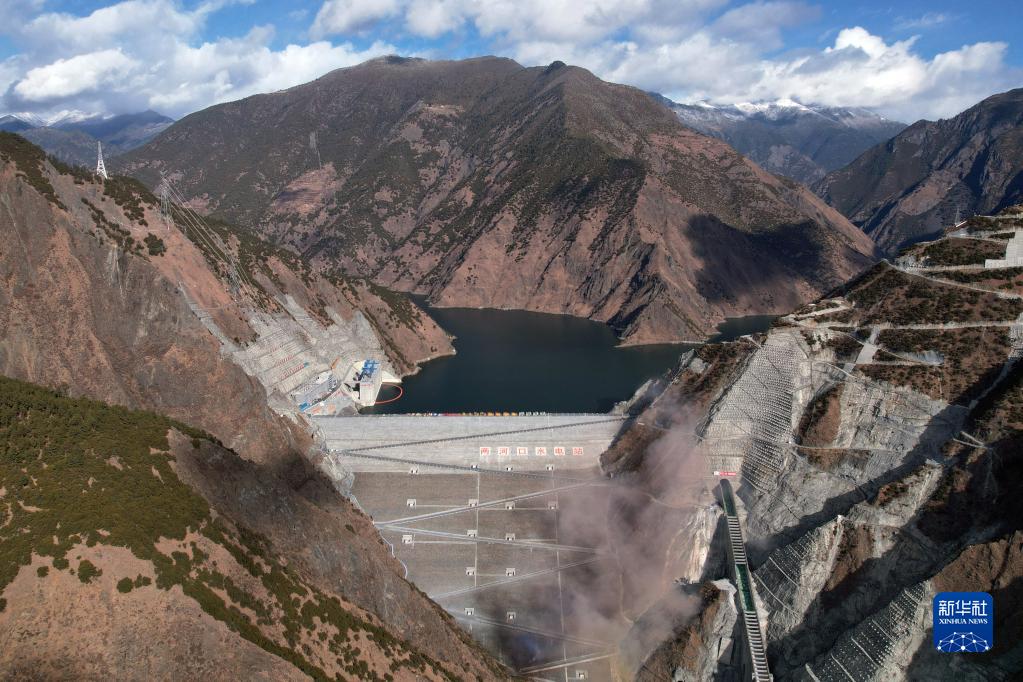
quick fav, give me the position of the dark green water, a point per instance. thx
(516, 361)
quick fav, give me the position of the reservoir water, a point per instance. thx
(517, 361)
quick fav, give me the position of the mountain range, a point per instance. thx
(73, 138)
(799, 141)
(170, 513)
(485, 183)
(934, 173)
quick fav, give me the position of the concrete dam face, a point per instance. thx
(502, 521)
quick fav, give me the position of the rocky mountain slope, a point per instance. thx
(876, 435)
(135, 546)
(101, 294)
(483, 183)
(105, 297)
(918, 182)
(74, 140)
(802, 142)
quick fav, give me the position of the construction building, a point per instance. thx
(307, 395)
(363, 379)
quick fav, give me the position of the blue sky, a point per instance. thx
(907, 60)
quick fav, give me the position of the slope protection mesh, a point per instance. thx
(753, 421)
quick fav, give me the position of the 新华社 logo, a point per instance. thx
(964, 622)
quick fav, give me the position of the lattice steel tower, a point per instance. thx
(166, 211)
(101, 169)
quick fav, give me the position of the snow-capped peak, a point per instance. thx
(55, 118)
(779, 107)
(71, 116)
(30, 119)
(782, 109)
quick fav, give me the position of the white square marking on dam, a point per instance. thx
(396, 442)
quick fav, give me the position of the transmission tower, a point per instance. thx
(101, 168)
(165, 203)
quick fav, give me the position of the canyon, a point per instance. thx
(153, 343)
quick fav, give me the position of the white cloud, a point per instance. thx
(688, 54)
(556, 20)
(133, 25)
(231, 69)
(153, 53)
(142, 54)
(761, 23)
(431, 18)
(512, 21)
(11, 69)
(708, 49)
(861, 69)
(338, 17)
(76, 75)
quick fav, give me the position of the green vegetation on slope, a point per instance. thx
(155, 245)
(888, 295)
(954, 251)
(130, 195)
(969, 355)
(78, 471)
(50, 448)
(112, 230)
(254, 253)
(30, 161)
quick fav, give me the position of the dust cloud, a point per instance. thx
(653, 527)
